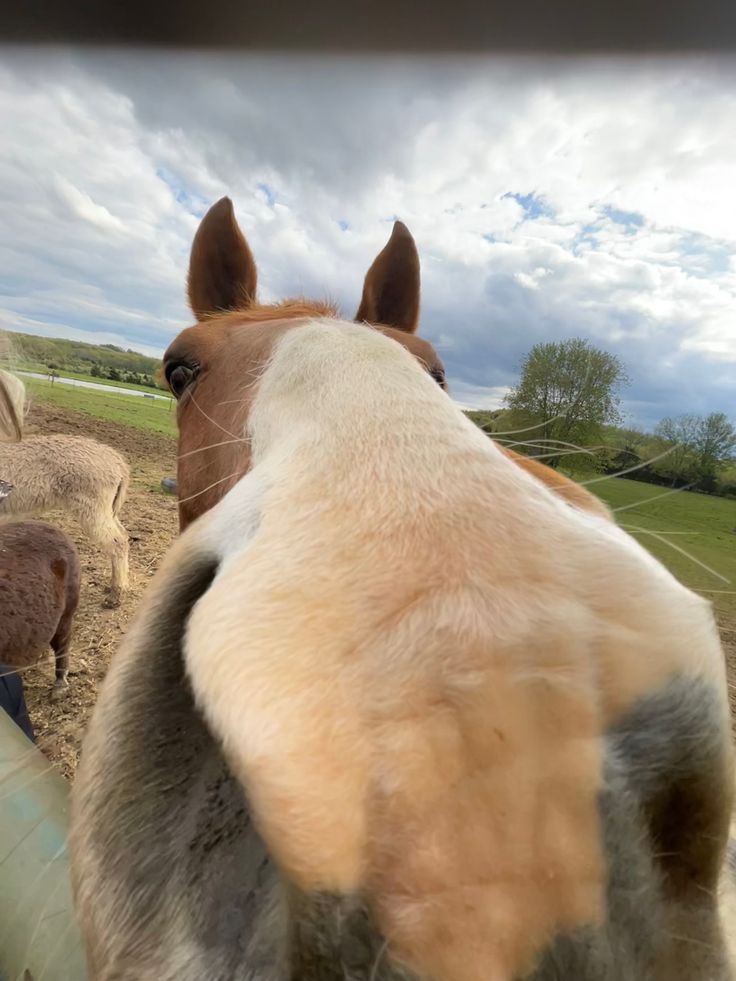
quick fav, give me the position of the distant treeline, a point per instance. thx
(681, 452)
(97, 360)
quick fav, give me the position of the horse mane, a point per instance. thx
(293, 309)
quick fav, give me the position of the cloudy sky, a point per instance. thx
(547, 199)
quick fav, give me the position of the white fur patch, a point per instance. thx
(399, 603)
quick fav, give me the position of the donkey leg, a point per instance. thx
(60, 644)
(112, 538)
(119, 552)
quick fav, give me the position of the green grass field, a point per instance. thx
(704, 527)
(128, 410)
(701, 525)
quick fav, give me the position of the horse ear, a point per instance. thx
(222, 272)
(391, 288)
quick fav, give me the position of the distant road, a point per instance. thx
(100, 388)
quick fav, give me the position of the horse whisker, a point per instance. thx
(682, 551)
(29, 754)
(21, 670)
(29, 890)
(15, 790)
(690, 940)
(214, 483)
(656, 497)
(212, 446)
(210, 419)
(547, 456)
(549, 443)
(620, 473)
(379, 957)
(528, 429)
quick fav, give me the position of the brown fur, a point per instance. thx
(222, 273)
(495, 721)
(392, 284)
(39, 592)
(231, 352)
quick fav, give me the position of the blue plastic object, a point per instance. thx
(39, 938)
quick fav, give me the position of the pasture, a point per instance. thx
(143, 430)
(81, 376)
(153, 415)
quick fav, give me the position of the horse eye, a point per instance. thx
(179, 376)
(439, 375)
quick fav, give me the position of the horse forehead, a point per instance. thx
(229, 339)
(240, 328)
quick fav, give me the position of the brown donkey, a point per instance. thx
(39, 594)
(391, 708)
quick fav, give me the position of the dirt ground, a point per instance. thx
(150, 518)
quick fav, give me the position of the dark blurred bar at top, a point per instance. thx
(381, 26)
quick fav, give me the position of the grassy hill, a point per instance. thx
(77, 358)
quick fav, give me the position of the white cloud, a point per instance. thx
(629, 238)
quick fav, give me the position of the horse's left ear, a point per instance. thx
(391, 288)
(222, 271)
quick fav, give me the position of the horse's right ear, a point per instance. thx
(391, 288)
(222, 272)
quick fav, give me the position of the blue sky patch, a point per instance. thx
(268, 192)
(703, 256)
(631, 220)
(194, 204)
(584, 240)
(534, 207)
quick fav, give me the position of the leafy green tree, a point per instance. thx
(568, 391)
(700, 446)
(715, 446)
(679, 435)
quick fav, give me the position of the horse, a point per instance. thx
(396, 706)
(81, 476)
(40, 580)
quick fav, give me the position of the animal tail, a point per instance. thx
(12, 403)
(120, 495)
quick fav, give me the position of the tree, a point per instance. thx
(680, 434)
(716, 442)
(568, 392)
(701, 445)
